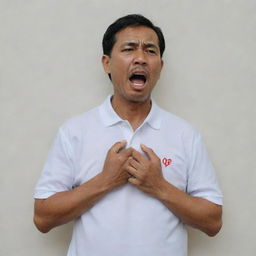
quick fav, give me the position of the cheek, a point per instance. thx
(118, 74)
(156, 67)
(159, 70)
(156, 74)
(120, 67)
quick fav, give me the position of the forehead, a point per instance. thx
(140, 33)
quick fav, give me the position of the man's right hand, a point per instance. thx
(65, 206)
(114, 171)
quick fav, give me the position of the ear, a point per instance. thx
(106, 63)
(162, 63)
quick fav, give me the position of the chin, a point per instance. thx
(138, 98)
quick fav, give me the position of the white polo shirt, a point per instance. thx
(126, 221)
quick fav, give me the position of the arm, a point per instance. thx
(194, 211)
(68, 205)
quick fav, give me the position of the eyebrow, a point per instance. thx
(136, 43)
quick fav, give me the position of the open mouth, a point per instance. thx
(138, 80)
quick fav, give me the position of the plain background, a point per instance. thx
(50, 70)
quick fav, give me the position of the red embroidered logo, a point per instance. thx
(166, 161)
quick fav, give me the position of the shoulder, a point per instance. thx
(177, 124)
(81, 122)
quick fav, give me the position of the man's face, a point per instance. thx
(135, 63)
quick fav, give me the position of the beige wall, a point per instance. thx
(50, 70)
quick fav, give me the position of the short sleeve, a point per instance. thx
(57, 174)
(202, 181)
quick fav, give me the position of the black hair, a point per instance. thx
(131, 20)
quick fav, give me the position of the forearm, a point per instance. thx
(193, 211)
(146, 175)
(69, 205)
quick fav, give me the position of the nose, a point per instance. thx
(139, 57)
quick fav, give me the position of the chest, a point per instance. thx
(92, 150)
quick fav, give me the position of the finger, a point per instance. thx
(134, 163)
(132, 171)
(148, 151)
(134, 181)
(138, 156)
(127, 152)
(118, 146)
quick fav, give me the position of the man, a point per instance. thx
(130, 174)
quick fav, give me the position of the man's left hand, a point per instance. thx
(146, 172)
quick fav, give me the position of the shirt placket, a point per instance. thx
(130, 135)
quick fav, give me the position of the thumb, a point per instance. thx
(118, 146)
(148, 151)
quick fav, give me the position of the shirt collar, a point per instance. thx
(110, 117)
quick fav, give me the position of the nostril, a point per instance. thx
(139, 60)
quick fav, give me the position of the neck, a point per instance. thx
(134, 112)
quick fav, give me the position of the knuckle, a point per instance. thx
(129, 149)
(121, 158)
(134, 153)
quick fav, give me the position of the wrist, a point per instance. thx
(163, 193)
(104, 181)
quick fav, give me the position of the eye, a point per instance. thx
(151, 51)
(127, 50)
